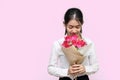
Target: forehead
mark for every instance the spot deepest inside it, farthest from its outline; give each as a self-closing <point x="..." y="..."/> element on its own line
<point x="74" y="22"/>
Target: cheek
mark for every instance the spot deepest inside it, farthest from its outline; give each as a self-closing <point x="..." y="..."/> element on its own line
<point x="68" y="30"/>
<point x="78" y="30"/>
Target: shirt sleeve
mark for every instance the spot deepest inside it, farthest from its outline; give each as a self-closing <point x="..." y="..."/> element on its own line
<point x="93" y="64"/>
<point x="53" y="68"/>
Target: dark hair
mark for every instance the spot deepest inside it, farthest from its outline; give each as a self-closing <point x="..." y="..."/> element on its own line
<point x="69" y="15"/>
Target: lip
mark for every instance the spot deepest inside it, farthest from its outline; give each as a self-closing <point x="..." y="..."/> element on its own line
<point x="73" y="34"/>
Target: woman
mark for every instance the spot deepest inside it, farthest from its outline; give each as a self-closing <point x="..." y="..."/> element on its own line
<point x="58" y="64"/>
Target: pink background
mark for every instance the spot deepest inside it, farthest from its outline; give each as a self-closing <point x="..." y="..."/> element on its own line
<point x="29" y="27"/>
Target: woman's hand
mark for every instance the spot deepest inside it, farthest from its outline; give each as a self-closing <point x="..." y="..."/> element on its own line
<point x="76" y="69"/>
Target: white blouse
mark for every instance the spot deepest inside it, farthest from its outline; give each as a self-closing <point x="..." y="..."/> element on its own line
<point x="58" y="64"/>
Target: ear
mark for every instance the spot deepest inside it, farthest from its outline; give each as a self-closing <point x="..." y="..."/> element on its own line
<point x="65" y="28"/>
<point x="64" y="24"/>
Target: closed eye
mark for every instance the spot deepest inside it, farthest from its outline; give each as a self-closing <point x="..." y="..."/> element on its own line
<point x="70" y="27"/>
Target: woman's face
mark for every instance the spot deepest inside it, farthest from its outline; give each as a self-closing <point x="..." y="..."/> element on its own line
<point x="73" y="27"/>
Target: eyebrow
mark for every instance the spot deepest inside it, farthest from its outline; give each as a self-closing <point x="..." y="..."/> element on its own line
<point x="75" y="25"/>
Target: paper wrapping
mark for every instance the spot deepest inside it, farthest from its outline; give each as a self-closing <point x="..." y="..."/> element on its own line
<point x="74" y="55"/>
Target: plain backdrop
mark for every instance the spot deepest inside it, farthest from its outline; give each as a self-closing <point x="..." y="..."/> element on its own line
<point x="28" y="29"/>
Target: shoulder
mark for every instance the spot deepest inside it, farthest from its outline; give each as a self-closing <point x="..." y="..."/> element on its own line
<point x="58" y="43"/>
<point x="87" y="40"/>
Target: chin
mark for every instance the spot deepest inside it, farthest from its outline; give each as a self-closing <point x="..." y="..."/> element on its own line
<point x="73" y="34"/>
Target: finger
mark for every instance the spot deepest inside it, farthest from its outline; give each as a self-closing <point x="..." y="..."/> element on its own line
<point x="81" y="66"/>
<point x="81" y="71"/>
<point x="76" y="68"/>
<point x="76" y="65"/>
<point x="77" y="71"/>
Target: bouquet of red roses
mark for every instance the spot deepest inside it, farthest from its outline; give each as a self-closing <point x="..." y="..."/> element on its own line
<point x="72" y="48"/>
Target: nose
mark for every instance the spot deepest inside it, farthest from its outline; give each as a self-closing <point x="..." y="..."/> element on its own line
<point x="74" y="30"/>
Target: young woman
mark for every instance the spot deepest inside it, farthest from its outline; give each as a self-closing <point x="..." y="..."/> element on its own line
<point x="58" y="64"/>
